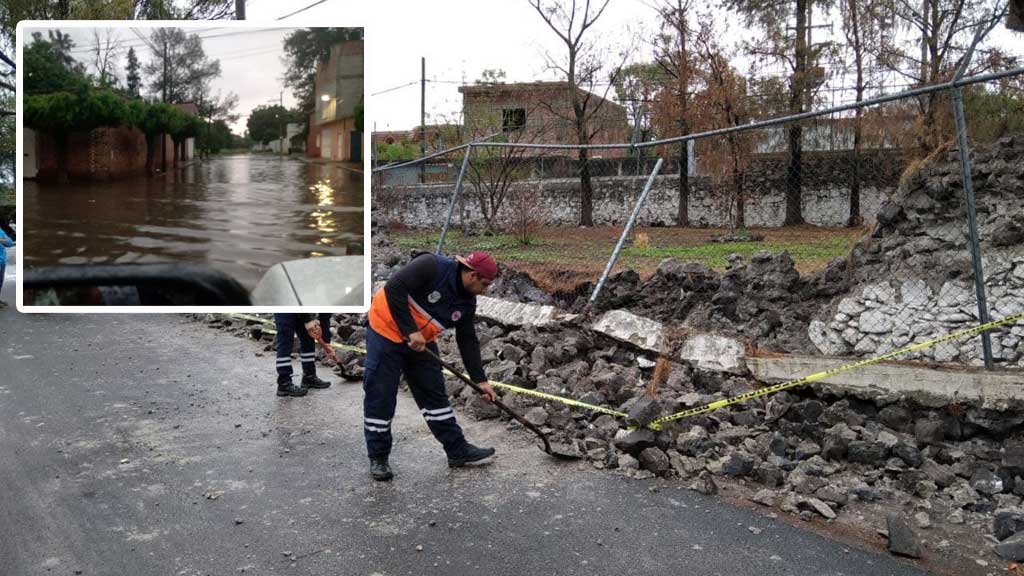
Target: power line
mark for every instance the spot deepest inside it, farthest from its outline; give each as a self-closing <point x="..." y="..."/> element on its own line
<point x="302" y="9"/>
<point x="393" y="88"/>
<point x="90" y="47"/>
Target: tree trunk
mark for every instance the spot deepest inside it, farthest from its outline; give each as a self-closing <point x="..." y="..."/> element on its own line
<point x="62" y="158"/>
<point x="150" y="154"/>
<point x="683" y="213"/>
<point x="175" y="145"/>
<point x="163" y="153"/>
<point x="741" y="217"/>
<point x="798" y="96"/>
<point x="586" y="192"/>
<point x="854" y="219"/>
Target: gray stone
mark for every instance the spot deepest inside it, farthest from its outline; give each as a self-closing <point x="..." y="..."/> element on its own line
<point x="902" y="540"/>
<point x="512" y="353"/>
<point x="832" y="496"/>
<point x="875" y="322"/>
<point x="895" y="417"/>
<point x="963" y="494"/>
<point x="643" y="411"/>
<point x="941" y="474"/>
<point x="871" y="453"/>
<point x="738" y="464"/>
<point x="769" y="475"/>
<point x="835" y="447"/>
<point x="654" y="460"/>
<point x="987" y="482"/>
<point x="807" y="449"/>
<point x="537" y="416"/>
<point x="1012" y="548"/>
<point x="765" y="497"/>
<point x="1007" y="522"/>
<point x="922" y="520"/>
<point x="930" y="431"/>
<point x="634" y="441"/>
<point x="806" y="411"/>
<point x="627" y="462"/>
<point x="887" y="439"/>
<point x="850" y="306"/>
<point x="705" y="484"/>
<point x="908" y="454"/>
<point x="817" y="506"/>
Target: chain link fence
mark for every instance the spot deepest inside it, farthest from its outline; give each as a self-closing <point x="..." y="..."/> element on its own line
<point x="859" y="244"/>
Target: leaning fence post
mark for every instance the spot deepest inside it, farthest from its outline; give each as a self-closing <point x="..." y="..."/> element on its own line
<point x="972" y="221"/>
<point x="455" y="195"/>
<point x="625" y="231"/>
<point x="965" y="173"/>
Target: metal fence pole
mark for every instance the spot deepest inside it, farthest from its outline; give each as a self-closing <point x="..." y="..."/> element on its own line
<point x="452" y="200"/>
<point x="972" y="221"/>
<point x="626" y="230"/>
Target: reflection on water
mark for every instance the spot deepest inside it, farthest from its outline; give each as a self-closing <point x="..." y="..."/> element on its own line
<point x="238" y="214"/>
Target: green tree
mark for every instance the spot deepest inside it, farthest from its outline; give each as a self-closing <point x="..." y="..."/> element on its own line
<point x="61" y="113"/>
<point x="154" y="120"/>
<point x="48" y="66"/>
<point x="268" y="123"/>
<point x="133" y="78"/>
<point x="215" y="137"/>
<point x="306" y="49"/>
<point x="398" y="151"/>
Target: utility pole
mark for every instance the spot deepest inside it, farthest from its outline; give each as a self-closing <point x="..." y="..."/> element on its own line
<point x="423" y="116"/>
<point x="163" y="138"/>
<point x="239" y="9"/>
<point x="281" y="102"/>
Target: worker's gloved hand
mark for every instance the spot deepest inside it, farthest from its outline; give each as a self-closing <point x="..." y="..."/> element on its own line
<point x="417" y="342"/>
<point x="313" y="328"/>
<point x="487" y="391"/>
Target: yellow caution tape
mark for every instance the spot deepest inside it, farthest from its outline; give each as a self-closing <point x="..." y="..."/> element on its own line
<point x="710" y="407"/>
<point x="496" y="384"/>
<point x="719" y="404"/>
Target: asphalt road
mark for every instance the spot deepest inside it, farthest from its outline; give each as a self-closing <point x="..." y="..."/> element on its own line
<point x="152" y="445"/>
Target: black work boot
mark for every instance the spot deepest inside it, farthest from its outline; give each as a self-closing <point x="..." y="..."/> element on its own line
<point x="380" y="469"/>
<point x="469" y="455"/>
<point x="286" y="388"/>
<point x="311" y="381"/>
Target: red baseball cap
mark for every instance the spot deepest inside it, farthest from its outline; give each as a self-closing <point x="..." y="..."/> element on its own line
<point x="482" y="263"/>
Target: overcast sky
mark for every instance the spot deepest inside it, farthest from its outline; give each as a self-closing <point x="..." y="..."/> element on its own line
<point x="461" y="38"/>
<point x="458" y="38"/>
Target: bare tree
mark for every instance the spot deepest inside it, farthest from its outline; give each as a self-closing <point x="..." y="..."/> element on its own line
<point x="582" y="65"/>
<point x="106" y="48"/>
<point x="673" y="54"/>
<point x="864" y="26"/>
<point x="927" y="44"/>
<point x="492" y="173"/>
<point x="723" y="103"/>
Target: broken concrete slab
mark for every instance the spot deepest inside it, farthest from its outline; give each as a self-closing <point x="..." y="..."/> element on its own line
<point x="627" y="327"/>
<point x="714" y="352"/>
<point x="927" y="386"/>
<point x="517" y="313"/>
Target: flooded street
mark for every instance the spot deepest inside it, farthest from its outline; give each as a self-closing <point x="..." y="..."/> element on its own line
<point x="236" y="214"/>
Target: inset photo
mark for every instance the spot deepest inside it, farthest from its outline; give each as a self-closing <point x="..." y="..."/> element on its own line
<point x="208" y="165"/>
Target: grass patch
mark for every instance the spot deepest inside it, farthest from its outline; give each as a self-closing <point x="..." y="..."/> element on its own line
<point x="714" y="255"/>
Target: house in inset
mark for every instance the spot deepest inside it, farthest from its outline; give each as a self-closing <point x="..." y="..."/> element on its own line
<point x="338" y="93"/>
<point x="542" y="113"/>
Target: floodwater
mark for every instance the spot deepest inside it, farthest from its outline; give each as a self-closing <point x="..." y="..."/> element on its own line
<point x="236" y="214"/>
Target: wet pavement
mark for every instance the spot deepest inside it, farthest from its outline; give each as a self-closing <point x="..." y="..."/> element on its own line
<point x="155" y="445"/>
<point x="237" y="214"/>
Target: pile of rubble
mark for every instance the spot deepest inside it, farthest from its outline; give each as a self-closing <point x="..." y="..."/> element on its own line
<point x="808" y="452"/>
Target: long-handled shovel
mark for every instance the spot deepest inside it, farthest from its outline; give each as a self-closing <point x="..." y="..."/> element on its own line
<point x="559" y="451"/>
